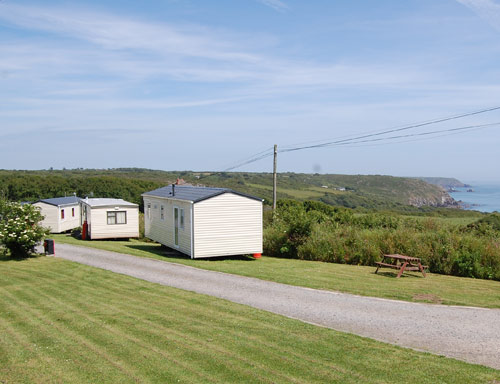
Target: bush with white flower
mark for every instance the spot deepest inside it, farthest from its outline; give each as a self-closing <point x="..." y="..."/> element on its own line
<point x="20" y="228"/>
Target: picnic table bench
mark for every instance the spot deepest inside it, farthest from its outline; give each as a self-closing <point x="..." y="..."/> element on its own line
<point x="401" y="262"/>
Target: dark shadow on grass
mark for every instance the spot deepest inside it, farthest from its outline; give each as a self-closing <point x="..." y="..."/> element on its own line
<point x="19" y="258"/>
<point x="394" y="275"/>
<point x="233" y="257"/>
<point x="167" y="253"/>
<point x="170" y="253"/>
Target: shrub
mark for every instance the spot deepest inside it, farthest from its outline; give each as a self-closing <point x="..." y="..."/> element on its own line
<point x="488" y="225"/>
<point x="292" y="226"/>
<point x="312" y="232"/>
<point x="20" y="228"/>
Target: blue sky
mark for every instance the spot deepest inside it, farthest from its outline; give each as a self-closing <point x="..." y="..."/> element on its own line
<point x="201" y="85"/>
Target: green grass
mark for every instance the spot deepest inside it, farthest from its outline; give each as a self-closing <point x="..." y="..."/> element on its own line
<point x="359" y="280"/>
<point x="305" y="193"/>
<point x="293" y="193"/>
<point x="447" y="221"/>
<point x="62" y="322"/>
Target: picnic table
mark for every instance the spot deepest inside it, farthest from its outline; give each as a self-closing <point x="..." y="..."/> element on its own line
<point x="401" y="262"/>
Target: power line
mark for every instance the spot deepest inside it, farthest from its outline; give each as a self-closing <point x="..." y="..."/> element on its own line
<point x="247" y="160"/>
<point x="256" y="154"/>
<point x="418" y="125"/>
<point x="357" y="139"/>
<point x="351" y="145"/>
<point x="250" y="157"/>
<point x="354" y="141"/>
<point x="253" y="160"/>
<point x="454" y="130"/>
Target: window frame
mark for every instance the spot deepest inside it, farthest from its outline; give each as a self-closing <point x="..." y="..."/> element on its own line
<point x="114" y="213"/>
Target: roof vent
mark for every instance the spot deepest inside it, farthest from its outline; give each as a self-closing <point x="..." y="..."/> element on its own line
<point x="173" y="189"/>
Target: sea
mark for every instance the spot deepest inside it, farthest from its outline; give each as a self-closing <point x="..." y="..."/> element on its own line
<point x="484" y="197"/>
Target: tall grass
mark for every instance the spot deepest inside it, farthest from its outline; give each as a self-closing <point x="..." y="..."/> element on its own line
<point x="315" y="231"/>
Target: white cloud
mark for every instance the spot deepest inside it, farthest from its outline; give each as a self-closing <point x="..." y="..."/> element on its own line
<point x="278" y="5"/>
<point x="488" y="10"/>
<point x="82" y="63"/>
<point x="115" y="33"/>
<point x="117" y="48"/>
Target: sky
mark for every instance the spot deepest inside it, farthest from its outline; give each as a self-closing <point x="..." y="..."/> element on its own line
<point x="205" y="85"/>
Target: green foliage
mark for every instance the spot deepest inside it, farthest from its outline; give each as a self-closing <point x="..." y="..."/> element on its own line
<point x="30" y="186"/>
<point x="357" y="191"/>
<point x="493" y="220"/>
<point x="488" y="225"/>
<point x="20" y="228"/>
<point x="445" y="182"/>
<point x="311" y="231"/>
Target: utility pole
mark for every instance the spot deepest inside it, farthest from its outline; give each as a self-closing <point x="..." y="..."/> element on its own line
<point x="274" y="176"/>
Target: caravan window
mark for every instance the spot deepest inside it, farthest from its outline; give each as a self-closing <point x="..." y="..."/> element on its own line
<point x="117" y="217"/>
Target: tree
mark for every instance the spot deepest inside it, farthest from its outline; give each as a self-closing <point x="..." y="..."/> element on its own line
<point x="20" y="228"/>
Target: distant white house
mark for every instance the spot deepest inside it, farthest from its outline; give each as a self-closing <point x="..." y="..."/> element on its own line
<point x="204" y="222"/>
<point x="109" y="218"/>
<point x="61" y="213"/>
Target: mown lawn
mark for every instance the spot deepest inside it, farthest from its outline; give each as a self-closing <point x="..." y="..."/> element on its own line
<point x="62" y="322"/>
<point x="359" y="280"/>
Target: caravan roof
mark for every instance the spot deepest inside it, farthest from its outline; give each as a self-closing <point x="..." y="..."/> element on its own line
<point x="191" y="193"/>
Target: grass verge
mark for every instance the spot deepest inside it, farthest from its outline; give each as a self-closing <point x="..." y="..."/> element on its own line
<point x="358" y="280"/>
<point x="65" y="322"/>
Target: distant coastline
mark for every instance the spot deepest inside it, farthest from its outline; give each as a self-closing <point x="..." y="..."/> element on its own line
<point x="448" y="183"/>
<point x="483" y="198"/>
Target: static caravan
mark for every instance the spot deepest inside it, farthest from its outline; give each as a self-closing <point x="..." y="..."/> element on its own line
<point x="61" y="213"/>
<point x="204" y="222"/>
<point x="109" y="219"/>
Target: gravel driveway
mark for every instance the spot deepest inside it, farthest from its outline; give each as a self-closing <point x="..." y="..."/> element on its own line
<point x="465" y="333"/>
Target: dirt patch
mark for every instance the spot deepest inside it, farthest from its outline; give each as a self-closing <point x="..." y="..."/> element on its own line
<point x="428" y="298"/>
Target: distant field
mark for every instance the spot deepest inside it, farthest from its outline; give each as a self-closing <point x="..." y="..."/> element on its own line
<point x="61" y="322"/>
<point x="354" y="279"/>
<point x="449" y="221"/>
<point x="308" y="193"/>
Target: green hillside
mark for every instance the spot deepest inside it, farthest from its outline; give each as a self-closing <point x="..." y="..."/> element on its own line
<point x="354" y="191"/>
<point x="445" y="182"/>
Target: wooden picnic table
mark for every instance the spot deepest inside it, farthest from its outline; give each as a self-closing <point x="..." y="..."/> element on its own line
<point x="401" y="262"/>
